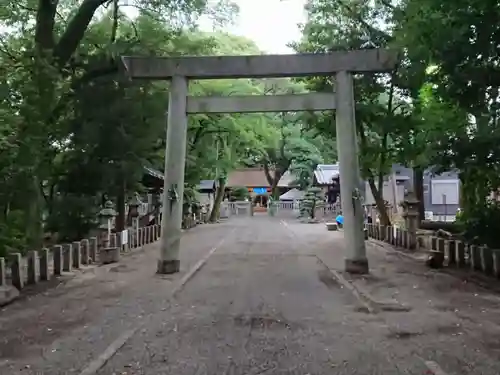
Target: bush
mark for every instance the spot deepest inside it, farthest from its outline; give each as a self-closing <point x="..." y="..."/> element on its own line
<point x="239" y="193"/>
<point x="12" y="234"/>
<point x="481" y="224"/>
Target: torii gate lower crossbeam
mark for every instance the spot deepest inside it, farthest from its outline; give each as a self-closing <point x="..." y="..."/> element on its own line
<point x="179" y="70"/>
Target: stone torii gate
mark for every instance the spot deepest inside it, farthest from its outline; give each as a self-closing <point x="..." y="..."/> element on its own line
<point x="179" y="70"/>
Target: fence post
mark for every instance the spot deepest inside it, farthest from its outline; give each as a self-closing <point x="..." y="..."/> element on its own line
<point x="452" y="253"/>
<point x="93" y="249"/>
<point x="460" y="250"/>
<point x="58" y="259"/>
<point x="44" y="265"/>
<point x="67" y="258"/>
<point x="32" y="267"/>
<point x="17" y="271"/>
<point x="84" y="251"/>
<point x="77" y="255"/>
<point x="475" y="257"/>
<point x="3" y="280"/>
<point x="486" y="255"/>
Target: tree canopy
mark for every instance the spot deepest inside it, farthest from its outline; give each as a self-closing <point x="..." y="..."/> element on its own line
<point x="75" y="130"/>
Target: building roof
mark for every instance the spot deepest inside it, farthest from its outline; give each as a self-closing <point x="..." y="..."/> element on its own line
<point x="291" y="195"/>
<point x="206" y="185"/>
<point x="249" y="177"/>
<point x="153" y="172"/>
<point x="286" y="180"/>
<point x="324" y="173"/>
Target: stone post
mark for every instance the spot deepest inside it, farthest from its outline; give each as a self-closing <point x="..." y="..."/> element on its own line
<point x="496" y="263"/>
<point x="84" y="248"/>
<point x="475" y="257"/>
<point x="486" y="260"/>
<point x="44" y="265"/>
<point x="93" y="249"/>
<point x="411" y="216"/>
<point x="16" y="271"/>
<point x="452" y="252"/>
<point x="350" y="181"/>
<point x="58" y="259"/>
<point x="32" y="267"/>
<point x="3" y="272"/>
<point x="77" y="255"/>
<point x="67" y="258"/>
<point x="460" y="251"/>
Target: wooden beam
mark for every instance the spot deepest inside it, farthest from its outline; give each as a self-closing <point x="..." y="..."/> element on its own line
<point x="260" y="66"/>
<point x="261" y="103"/>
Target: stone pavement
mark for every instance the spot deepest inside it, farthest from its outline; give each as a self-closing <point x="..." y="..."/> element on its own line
<point x="271" y="299"/>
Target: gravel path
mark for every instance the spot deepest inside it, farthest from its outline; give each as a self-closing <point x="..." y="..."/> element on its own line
<point x="62" y="329"/>
<point x="267" y="301"/>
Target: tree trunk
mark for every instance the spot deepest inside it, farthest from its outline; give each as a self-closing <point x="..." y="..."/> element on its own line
<point x="214" y="215"/>
<point x="418" y="185"/>
<point x="379" y="201"/>
<point x="274" y="186"/>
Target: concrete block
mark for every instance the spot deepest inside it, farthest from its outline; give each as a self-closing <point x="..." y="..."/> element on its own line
<point x="77" y="254"/>
<point x="331" y="227"/>
<point x="16" y="271"/>
<point x="475" y="258"/>
<point x="67" y="258"/>
<point x="486" y="255"/>
<point x="33" y="267"/>
<point x="58" y="259"/>
<point x="84" y="251"/>
<point x="8" y="293"/>
<point x="109" y="255"/>
<point x="44" y="265"/>
<point x="93" y="249"/>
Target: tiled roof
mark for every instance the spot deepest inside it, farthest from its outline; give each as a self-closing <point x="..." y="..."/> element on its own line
<point x="292" y="195"/>
<point x="250" y="177"/>
<point x="324" y="173"/>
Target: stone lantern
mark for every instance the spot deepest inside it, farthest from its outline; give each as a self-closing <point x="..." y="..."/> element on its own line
<point x="411" y="216"/>
<point x="106" y="217"/>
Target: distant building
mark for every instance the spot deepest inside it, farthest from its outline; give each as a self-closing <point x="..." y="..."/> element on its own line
<point x="441" y="192"/>
<point x="206" y="190"/>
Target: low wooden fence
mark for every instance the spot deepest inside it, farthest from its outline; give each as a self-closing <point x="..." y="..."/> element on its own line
<point x="43" y="265"/>
<point x="455" y="253"/>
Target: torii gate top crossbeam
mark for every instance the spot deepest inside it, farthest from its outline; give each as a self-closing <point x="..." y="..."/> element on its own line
<point x="260" y="66"/>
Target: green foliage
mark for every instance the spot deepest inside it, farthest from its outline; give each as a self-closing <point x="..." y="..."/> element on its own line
<point x="480" y="224"/>
<point x="12" y="234"/>
<point x="312" y="200"/>
<point x="239" y="193"/>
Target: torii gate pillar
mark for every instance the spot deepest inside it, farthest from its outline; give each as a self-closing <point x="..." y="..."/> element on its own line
<point x="350" y="181"/>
